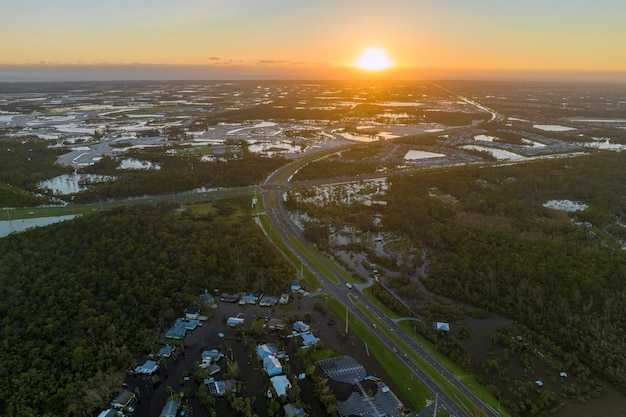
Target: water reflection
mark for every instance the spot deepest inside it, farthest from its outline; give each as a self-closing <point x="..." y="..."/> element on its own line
<point x="14" y="226"/>
<point x="71" y="183"/>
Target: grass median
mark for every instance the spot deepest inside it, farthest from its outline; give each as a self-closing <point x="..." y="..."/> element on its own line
<point x="435" y="376"/>
<point x="412" y="389"/>
<point x="310" y="281"/>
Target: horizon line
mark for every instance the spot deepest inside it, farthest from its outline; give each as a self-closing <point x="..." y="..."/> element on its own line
<point x="44" y="72"/>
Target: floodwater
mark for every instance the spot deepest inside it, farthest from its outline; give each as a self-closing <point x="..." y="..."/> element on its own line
<point x="71" y="183"/>
<point x="553" y="128"/>
<point x="14" y="226"/>
<point x="255" y="382"/>
<point x="610" y="404"/>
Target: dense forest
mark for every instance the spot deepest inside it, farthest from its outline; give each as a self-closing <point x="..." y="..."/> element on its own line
<point x="488" y="240"/>
<point x="81" y="300"/>
<point x="497" y="247"/>
<point x="24" y="162"/>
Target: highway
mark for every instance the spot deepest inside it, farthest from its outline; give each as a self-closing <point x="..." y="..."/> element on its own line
<point x="272" y="192"/>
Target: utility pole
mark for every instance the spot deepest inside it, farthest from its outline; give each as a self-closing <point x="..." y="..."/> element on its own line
<point x="346" y="320"/>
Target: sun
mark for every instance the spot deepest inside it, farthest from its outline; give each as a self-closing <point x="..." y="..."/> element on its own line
<point x="374" y="59"/>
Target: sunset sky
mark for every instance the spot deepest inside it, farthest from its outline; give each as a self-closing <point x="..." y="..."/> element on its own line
<point x="314" y="37"/>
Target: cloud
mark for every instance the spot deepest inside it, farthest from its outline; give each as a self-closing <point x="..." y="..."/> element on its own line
<point x="214" y="58"/>
<point x="273" y="61"/>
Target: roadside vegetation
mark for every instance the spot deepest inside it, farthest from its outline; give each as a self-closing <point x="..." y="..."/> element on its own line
<point x="489" y="246"/>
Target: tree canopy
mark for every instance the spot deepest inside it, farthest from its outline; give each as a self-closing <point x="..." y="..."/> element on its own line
<point x="81" y="300"/>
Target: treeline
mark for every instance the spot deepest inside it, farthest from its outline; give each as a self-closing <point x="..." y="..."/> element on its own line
<point x="327" y="168"/>
<point x="177" y="173"/>
<point x="24" y="162"/>
<point x="489" y="241"/>
<point x="81" y="300"/>
<point x="498" y="248"/>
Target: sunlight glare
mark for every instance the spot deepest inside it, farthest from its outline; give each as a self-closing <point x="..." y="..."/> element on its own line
<point x="374" y="59"/>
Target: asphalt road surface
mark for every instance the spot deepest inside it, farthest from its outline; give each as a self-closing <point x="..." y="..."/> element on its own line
<point x="273" y="201"/>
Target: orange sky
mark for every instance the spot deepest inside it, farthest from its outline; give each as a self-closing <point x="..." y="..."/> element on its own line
<point x="323" y="36"/>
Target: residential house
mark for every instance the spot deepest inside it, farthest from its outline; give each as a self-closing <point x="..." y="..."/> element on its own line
<point x="234" y="321"/>
<point x="276" y="324"/>
<point x="229" y="298"/>
<point x="308" y="339"/>
<point x="192" y="312"/>
<point x="148" y="368"/>
<point x="281" y="384"/>
<point x="301" y="326"/>
<point x="170" y="409"/>
<point x="123" y="400"/>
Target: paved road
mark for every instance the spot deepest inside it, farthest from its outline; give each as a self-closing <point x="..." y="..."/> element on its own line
<point x="272" y="198"/>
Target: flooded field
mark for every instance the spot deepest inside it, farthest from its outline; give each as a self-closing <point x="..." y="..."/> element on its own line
<point x="610" y="404"/>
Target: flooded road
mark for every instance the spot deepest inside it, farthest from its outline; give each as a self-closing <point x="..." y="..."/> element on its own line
<point x="255" y="382"/>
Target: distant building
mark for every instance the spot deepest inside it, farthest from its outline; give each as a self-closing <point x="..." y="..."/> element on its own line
<point x="301" y="326"/>
<point x="213" y="369"/>
<point x="284" y="299"/>
<point x="265" y="350"/>
<point x="295" y="285"/>
<point x="276" y="324"/>
<point x="281" y="384"/>
<point x="170" y="409"/>
<point x="192" y="312"/>
<point x="220" y="388"/>
<point x="272" y="365"/>
<point x="212" y="355"/>
<point x="234" y="321"/>
<point x="208" y="300"/>
<point x="308" y="339"/>
<point x="148" y="368"/>
<point x="177" y="331"/>
<point x="166" y="351"/>
<point x="122" y="400"/>
<point x="444" y="327"/>
<point x="248" y="299"/>
<point x="268" y="301"/>
<point x="229" y="298"/>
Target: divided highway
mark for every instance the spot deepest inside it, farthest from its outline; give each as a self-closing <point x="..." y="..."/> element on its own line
<point x="272" y="191"/>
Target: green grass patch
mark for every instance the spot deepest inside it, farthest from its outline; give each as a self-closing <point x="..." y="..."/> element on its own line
<point x="319" y="265"/>
<point x="468" y="380"/>
<point x="412" y="389"/>
<point x="321" y="354"/>
<point x="386" y="310"/>
<point x="423" y="365"/>
<point x="202" y="209"/>
<point x="310" y="281"/>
